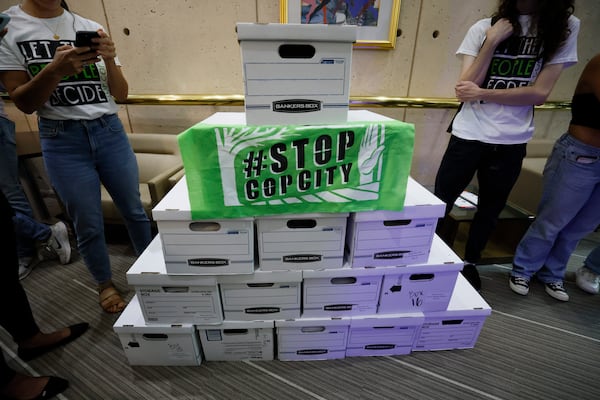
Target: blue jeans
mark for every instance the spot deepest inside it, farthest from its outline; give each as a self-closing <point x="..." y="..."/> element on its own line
<point x="28" y="230"/>
<point x="592" y="261"/>
<point x="79" y="156"/>
<point x="497" y="168"/>
<point x="569" y="209"/>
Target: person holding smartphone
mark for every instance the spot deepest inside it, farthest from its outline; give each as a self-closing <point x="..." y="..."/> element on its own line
<point x="83" y="140"/>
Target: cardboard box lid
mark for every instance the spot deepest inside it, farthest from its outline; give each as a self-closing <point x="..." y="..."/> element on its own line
<point x="150" y="269"/>
<point x="175" y="206"/>
<point x="419" y="203"/>
<point x="132" y="319"/>
<point x="381" y="320"/>
<point x="345" y="272"/>
<point x="239" y="118"/>
<point x="240" y="325"/>
<point x="296" y="32"/>
<point x="308" y="322"/>
<point x="262" y="277"/>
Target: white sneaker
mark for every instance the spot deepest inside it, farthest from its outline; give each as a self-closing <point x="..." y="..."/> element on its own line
<point x="587" y="280"/>
<point x="26" y="265"/>
<point x="519" y="285"/>
<point x="557" y="290"/>
<point x="58" y="246"/>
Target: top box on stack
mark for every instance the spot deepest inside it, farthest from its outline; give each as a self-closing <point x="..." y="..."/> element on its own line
<point x="296" y="73"/>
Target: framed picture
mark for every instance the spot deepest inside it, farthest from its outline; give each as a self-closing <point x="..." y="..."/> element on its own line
<point x="377" y="20"/>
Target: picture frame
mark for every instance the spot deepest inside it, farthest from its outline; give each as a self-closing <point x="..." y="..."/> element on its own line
<point x="377" y="20"/>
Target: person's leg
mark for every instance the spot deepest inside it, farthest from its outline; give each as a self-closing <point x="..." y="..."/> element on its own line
<point x="16" y="317"/>
<point x="15" y="385"/>
<point x="568" y="187"/>
<point x="581" y="225"/>
<point x="456" y="171"/>
<point x="122" y="179"/>
<point x="69" y="157"/>
<point x="27" y="228"/>
<point x="497" y="174"/>
<point x="588" y="276"/>
<point x="458" y="166"/>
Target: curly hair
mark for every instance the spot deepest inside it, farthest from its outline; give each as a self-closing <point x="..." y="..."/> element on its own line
<point x="550" y="20"/>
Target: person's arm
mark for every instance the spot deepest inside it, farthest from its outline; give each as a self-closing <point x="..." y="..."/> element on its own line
<point x="30" y="94"/>
<point x="475" y="69"/>
<point x="535" y="94"/>
<point x="589" y="81"/>
<point x="117" y="83"/>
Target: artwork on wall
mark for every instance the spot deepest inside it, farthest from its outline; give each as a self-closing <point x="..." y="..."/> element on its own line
<point x="377" y="20"/>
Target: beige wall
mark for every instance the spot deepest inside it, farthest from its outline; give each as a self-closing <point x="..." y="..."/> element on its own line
<point x="190" y="47"/>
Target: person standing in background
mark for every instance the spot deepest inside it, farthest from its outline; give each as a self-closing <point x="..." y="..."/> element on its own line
<point x="570" y="205"/>
<point x="83" y="140"/>
<point x="510" y="63"/>
<point x="54" y="239"/>
<point x="18" y="320"/>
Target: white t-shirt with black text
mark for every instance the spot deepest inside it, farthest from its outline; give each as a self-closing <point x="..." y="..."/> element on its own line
<point x="29" y="45"/>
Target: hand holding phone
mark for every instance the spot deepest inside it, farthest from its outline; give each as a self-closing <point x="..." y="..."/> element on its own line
<point x="84" y="38"/>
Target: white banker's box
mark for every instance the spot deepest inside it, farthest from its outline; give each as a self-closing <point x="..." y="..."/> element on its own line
<point x="459" y="326"/>
<point x="383" y="335"/>
<point x="384" y="238"/>
<point x="312" y="339"/>
<point x="210" y="247"/>
<point x="340" y="292"/>
<point x="421" y="287"/>
<point x="264" y="295"/>
<point x="238" y="340"/>
<point x="173" y="299"/>
<point x="156" y="344"/>
<point x="296" y="73"/>
<point x="304" y="241"/>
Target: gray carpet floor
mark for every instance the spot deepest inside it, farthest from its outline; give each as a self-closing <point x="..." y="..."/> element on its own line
<point x="530" y="347"/>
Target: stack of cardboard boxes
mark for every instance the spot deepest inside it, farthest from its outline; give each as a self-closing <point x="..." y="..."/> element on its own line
<point x="297" y="287"/>
<point x="399" y="288"/>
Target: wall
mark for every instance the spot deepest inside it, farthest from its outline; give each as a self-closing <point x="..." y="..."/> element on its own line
<point x="190" y="47"/>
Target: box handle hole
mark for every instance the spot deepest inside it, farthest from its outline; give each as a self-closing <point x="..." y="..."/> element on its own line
<point x="205" y="226"/>
<point x="296" y="51"/>
<point x="301" y="223"/>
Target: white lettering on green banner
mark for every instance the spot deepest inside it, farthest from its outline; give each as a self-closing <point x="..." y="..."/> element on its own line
<point x="241" y="171"/>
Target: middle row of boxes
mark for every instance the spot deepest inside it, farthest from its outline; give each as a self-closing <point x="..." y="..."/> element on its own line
<point x="268" y="295"/>
<point x="296" y="242"/>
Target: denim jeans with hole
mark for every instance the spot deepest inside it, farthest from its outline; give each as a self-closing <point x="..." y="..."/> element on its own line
<point x="569" y="209"/>
<point x="80" y="155"/>
<point x="27" y="229"/>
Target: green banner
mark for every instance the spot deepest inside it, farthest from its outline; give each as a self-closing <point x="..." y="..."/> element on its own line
<point x="236" y="171"/>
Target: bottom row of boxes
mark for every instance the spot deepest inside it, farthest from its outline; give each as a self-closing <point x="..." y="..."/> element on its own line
<point x="457" y="327"/>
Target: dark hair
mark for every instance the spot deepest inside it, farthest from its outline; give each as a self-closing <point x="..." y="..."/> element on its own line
<point x="550" y="20"/>
<point x="64" y="5"/>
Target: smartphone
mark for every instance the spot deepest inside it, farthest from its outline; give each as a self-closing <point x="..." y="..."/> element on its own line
<point x="4" y="18"/>
<point x="84" y="38"/>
